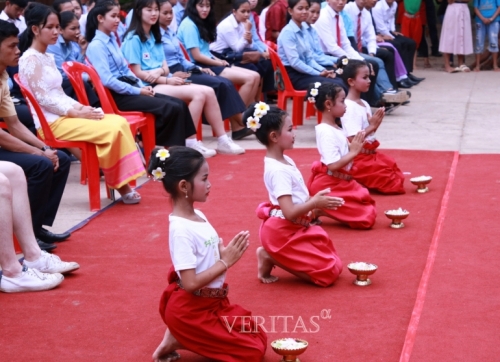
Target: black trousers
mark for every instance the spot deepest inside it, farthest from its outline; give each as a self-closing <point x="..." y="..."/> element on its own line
<point x="430" y="12"/>
<point x="406" y="48"/>
<point x="387" y="56"/>
<point x="173" y="121"/>
<point x="91" y="94"/>
<point x="302" y="81"/>
<point x="45" y="187"/>
<point x="265" y="69"/>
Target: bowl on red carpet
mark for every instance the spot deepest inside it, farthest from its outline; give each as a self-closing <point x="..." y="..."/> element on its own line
<point x="421" y="183"/>
<point x="289" y="348"/>
<point x="362" y="270"/>
<point x="397" y="216"/>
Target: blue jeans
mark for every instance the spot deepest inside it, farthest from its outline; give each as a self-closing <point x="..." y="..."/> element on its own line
<point x="492" y="31"/>
<point x="382" y="82"/>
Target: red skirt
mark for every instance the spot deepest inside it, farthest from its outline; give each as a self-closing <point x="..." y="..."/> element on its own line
<point x="304" y="249"/>
<point x="378" y="172"/>
<point x="358" y="210"/>
<point x="211" y="327"/>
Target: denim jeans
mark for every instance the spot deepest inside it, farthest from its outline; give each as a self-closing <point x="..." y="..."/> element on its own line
<point x="492" y="31"/>
<point x="382" y="82"/>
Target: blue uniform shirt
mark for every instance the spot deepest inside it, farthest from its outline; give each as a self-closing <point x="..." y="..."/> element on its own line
<point x="487" y="8"/>
<point x="179" y="12"/>
<point x="257" y="44"/>
<point x="319" y="56"/>
<point x="189" y="35"/>
<point x="65" y="52"/>
<point x="172" y="50"/>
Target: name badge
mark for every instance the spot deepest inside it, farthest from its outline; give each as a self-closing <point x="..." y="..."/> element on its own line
<point x="146" y="56"/>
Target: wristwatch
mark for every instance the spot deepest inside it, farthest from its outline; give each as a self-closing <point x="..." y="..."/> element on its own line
<point x="45" y="148"/>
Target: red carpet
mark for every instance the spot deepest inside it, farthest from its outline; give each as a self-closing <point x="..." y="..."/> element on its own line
<point x="107" y="311"/>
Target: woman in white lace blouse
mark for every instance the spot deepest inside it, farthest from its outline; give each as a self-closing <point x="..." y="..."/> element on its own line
<point x="68" y="119"/>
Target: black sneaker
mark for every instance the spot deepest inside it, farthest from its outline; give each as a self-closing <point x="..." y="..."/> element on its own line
<point x="242" y="133"/>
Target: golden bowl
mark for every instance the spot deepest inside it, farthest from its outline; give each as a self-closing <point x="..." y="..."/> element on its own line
<point x="421" y="183"/>
<point x="362" y="270"/>
<point x="396" y="218"/>
<point x="289" y="353"/>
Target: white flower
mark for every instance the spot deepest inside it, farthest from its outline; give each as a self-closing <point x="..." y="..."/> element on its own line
<point x="162" y="154"/>
<point x="158" y="174"/>
<point x="261" y="108"/>
<point x="339" y="71"/>
<point x="345" y="61"/>
<point x="317" y="85"/>
<point x="253" y="123"/>
<point x="311" y="100"/>
<point x="314" y="92"/>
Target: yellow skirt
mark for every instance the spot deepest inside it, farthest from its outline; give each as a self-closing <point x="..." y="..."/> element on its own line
<point x="118" y="156"/>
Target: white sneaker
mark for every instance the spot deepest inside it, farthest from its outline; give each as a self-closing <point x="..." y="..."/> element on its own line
<point x="398" y="97"/>
<point x="206" y="152"/>
<point x="31" y="280"/>
<point x="229" y="148"/>
<point x="50" y="263"/>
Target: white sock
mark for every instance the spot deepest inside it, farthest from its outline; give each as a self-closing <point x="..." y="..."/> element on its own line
<point x="191" y="142"/>
<point x="223" y="139"/>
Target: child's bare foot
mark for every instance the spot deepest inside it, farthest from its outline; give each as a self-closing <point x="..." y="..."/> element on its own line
<point x="165" y="352"/>
<point x="265" y="265"/>
<point x="496" y="69"/>
<point x="476" y="69"/>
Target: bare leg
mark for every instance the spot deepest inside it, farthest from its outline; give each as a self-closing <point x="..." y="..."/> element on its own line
<point x="16" y="218"/>
<point x="76" y="152"/>
<point x="165" y="352"/>
<point x="267" y="262"/>
<point x="495" y="62"/>
<point x="461" y="59"/>
<point x="248" y="80"/>
<point x="236" y="122"/>
<point x="477" y="67"/>
<point x="447" y="67"/>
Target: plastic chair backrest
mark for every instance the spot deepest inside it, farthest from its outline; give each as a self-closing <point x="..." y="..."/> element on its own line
<point x="184" y="51"/>
<point x="75" y="70"/>
<point x="277" y="64"/>
<point x="272" y="45"/>
<point x="33" y="104"/>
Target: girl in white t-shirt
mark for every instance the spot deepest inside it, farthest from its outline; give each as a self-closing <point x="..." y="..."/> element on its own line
<point x="195" y="300"/>
<point x="288" y="238"/>
<point x="372" y="169"/>
<point x="334" y="169"/>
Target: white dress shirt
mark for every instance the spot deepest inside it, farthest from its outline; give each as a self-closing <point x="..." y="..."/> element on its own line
<point x="368" y="37"/>
<point x="230" y="35"/>
<point x="385" y="17"/>
<point x="19" y="23"/>
<point x="326" y="26"/>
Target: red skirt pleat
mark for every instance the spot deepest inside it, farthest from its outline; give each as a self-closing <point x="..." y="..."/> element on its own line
<point x="303" y="249"/>
<point x="358" y="211"/>
<point x="211" y="327"/>
<point x="378" y="172"/>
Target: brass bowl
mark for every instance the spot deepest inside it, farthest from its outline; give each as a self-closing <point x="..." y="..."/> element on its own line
<point x="289" y="354"/>
<point x="421" y="183"/>
<point x="362" y="272"/>
<point x="396" y="219"/>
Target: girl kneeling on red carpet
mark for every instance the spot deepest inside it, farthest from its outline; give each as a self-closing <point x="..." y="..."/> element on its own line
<point x="334" y="169"/>
<point x="371" y="169"/>
<point x="195" y="306"/>
<point x="288" y="238"/>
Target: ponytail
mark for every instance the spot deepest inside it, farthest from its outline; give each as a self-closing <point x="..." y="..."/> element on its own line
<point x="100" y="8"/>
<point x="36" y="14"/>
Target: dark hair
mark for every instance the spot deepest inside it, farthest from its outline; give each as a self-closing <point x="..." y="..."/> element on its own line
<point x="182" y="164"/>
<point x="7" y="30"/>
<point x="315" y="2"/>
<point x="136" y="23"/>
<point x="325" y="91"/>
<point x="207" y="27"/>
<point x="57" y="4"/>
<point x="21" y="3"/>
<point x="238" y="3"/>
<point x="36" y="14"/>
<point x="100" y="8"/>
<point x="291" y="5"/>
<point x="272" y="121"/>
<point x="350" y="70"/>
<point x="66" y="18"/>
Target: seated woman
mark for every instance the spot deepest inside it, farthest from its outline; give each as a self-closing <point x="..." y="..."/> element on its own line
<point x="230" y="103"/>
<point x="71" y="46"/>
<point x="143" y="49"/>
<point x="69" y="120"/>
<point x="295" y="52"/>
<point x="196" y="31"/>
<point x="235" y="36"/>
<point x="174" y="125"/>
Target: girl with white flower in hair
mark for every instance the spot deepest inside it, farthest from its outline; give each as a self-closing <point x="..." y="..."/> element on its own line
<point x="289" y="239"/>
<point x="337" y="155"/>
<point x="195" y="301"/>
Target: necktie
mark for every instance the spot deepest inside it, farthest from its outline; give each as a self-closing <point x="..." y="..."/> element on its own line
<point x="373" y="22"/>
<point x="358" y="33"/>
<point x="339" y="43"/>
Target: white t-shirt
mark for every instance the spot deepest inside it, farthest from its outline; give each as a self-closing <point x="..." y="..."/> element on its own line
<point x="332" y="144"/>
<point x="20" y="23"/>
<point x="194" y="245"/>
<point x="281" y="179"/>
<point x="355" y="119"/>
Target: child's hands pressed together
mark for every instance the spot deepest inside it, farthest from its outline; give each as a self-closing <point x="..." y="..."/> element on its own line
<point x="357" y="142"/>
<point x="377" y="117"/>
<point x="322" y="201"/>
<point x="235" y="249"/>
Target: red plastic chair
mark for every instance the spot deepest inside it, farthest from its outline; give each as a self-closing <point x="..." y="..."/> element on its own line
<point x="288" y="91"/>
<point x="89" y="155"/>
<point x="138" y="121"/>
<point x="311" y="111"/>
<point x="271" y="45"/>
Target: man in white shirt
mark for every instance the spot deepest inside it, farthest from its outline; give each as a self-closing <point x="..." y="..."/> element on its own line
<point x="13" y="13"/>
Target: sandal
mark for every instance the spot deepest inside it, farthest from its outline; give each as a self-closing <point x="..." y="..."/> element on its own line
<point x="456" y="70"/>
<point x="464" y="68"/>
<point x="173" y="356"/>
<point x="132" y="197"/>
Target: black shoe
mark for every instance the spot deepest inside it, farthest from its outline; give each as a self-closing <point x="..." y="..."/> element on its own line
<point x="414" y="78"/>
<point x="49" y="237"/>
<point x="45" y="246"/>
<point x="405" y="83"/>
<point x="242" y="133"/>
<point x="436" y="54"/>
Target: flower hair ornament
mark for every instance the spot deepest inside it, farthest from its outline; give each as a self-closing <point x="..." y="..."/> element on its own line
<point x="158" y="172"/>
<point x="314" y="93"/>
<point x="253" y="122"/>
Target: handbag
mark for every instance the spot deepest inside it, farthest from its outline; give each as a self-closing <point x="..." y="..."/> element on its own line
<point x="250" y="57"/>
<point x="245" y="57"/>
<point x="129" y="80"/>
